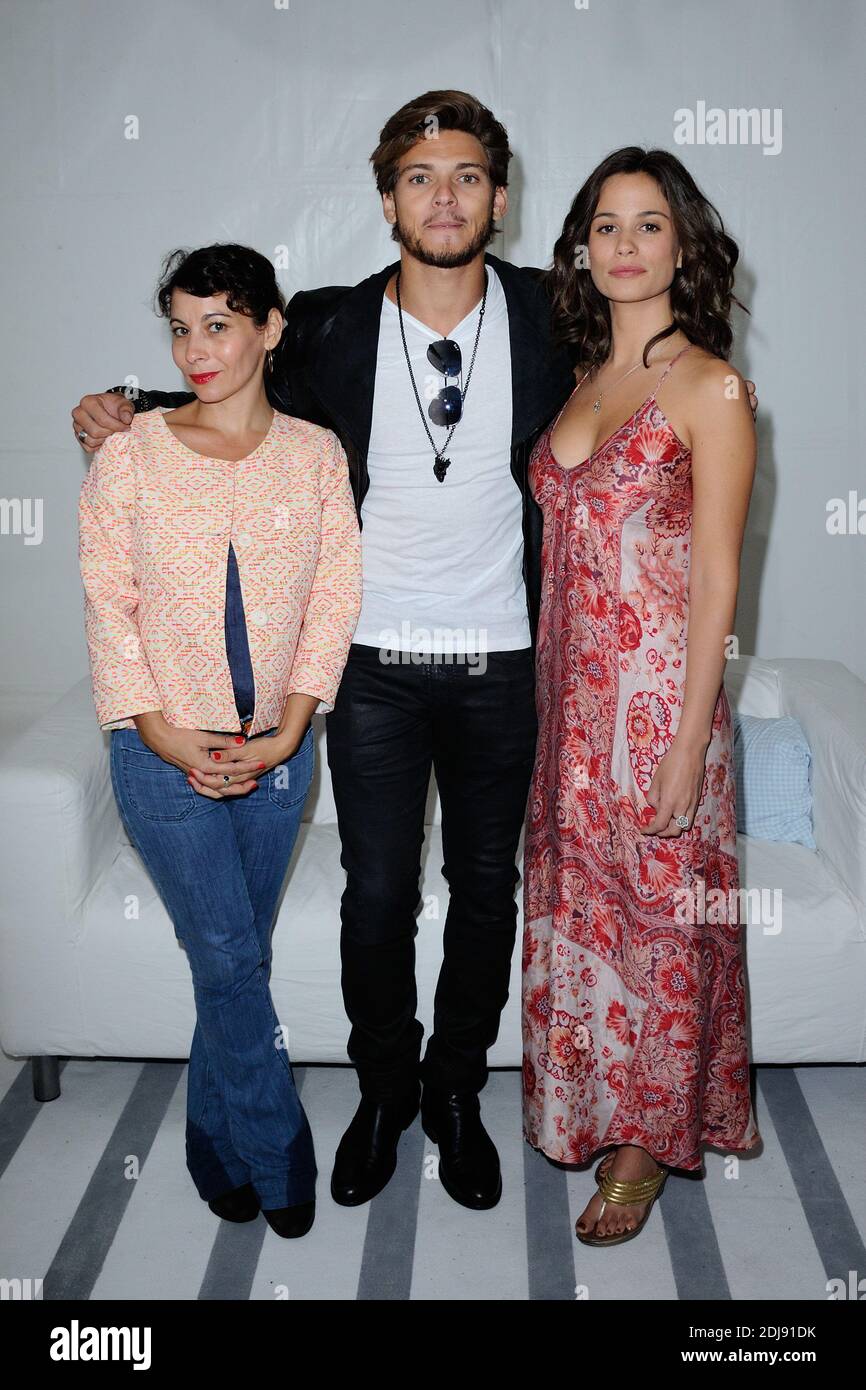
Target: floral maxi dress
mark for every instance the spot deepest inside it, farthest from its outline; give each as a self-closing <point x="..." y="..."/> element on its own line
<point x="633" y="1006"/>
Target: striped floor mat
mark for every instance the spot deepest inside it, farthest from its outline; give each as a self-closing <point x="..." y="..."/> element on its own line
<point x="96" y="1202"/>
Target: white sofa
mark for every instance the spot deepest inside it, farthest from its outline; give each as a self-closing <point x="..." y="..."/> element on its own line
<point x="90" y="965"/>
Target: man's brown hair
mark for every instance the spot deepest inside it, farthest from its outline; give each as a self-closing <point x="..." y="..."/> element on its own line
<point x="445" y="110"/>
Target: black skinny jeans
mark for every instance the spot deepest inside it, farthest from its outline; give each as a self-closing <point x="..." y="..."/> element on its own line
<point x="477" y="729"/>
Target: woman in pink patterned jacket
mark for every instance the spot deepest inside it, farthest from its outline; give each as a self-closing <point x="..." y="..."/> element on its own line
<point x="221" y="560"/>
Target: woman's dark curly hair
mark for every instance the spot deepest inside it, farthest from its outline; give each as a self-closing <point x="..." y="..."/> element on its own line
<point x="243" y="275"/>
<point x="701" y="292"/>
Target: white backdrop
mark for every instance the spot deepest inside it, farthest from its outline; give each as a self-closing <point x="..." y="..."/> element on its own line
<point x="253" y="122"/>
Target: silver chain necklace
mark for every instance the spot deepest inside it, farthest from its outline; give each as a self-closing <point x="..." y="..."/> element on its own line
<point x="596" y="405"/>
<point x="440" y="463"/>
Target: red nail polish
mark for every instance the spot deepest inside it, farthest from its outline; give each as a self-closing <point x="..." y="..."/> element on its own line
<point x="239" y="740"/>
<point x="217" y="756"/>
<point x="261" y="764"/>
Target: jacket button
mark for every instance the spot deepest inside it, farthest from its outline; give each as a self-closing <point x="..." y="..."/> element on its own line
<point x="259" y="617"/>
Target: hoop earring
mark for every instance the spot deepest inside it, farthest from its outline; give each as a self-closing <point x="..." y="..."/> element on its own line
<point x="270" y="356"/>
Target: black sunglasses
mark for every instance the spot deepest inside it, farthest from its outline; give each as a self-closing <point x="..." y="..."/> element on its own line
<point x="446" y="408"/>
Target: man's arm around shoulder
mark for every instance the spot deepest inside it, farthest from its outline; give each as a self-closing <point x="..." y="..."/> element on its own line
<point x="102" y="414"/>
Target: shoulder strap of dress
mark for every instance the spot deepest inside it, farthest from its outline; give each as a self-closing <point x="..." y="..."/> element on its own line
<point x="672" y="364"/>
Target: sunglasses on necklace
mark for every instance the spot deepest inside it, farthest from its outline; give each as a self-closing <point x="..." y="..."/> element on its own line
<point x="446" y="407"/>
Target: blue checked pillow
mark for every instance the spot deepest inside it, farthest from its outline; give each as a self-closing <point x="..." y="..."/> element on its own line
<point x="773" y="761"/>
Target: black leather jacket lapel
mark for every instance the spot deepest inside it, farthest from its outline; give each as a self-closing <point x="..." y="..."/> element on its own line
<point x="325" y="371"/>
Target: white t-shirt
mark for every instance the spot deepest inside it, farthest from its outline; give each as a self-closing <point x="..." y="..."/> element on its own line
<point x="442" y="562"/>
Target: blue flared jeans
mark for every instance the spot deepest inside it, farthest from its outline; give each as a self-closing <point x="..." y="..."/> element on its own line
<point x="218" y="866"/>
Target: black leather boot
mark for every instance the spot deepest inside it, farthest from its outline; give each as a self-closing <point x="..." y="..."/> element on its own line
<point x="241" y="1204"/>
<point x="367" y="1153"/>
<point x="290" y="1222"/>
<point x="468" y="1161"/>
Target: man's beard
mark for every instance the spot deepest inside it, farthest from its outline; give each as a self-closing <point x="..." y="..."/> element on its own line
<point x="447" y="260"/>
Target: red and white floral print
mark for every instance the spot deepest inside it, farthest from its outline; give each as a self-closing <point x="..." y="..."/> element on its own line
<point x="634" y="1024"/>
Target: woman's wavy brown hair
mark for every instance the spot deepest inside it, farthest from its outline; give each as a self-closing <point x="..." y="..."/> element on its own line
<point x="701" y="292"/>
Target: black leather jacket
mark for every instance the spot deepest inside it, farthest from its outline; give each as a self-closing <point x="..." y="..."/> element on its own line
<point x="325" y="370"/>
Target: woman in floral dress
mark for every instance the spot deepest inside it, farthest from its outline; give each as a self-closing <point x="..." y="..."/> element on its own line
<point x="634" y="1020"/>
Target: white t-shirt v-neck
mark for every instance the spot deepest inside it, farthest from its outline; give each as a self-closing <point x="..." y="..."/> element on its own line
<point x="442" y="562"/>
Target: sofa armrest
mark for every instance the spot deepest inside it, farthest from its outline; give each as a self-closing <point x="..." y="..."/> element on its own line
<point x="58" y="815"/>
<point x="829" y="702"/>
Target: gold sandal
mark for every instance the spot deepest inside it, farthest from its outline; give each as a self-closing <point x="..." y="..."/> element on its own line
<point x="624" y="1193"/>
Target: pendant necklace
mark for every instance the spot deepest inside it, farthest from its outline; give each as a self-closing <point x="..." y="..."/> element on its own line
<point x="441" y="464"/>
<point x="596" y="405"/>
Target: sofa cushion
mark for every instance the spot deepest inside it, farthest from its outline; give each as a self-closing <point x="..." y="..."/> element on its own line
<point x="752" y="686"/>
<point x="773" y="763"/>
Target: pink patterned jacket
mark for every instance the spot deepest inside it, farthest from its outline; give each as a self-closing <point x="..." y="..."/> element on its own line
<point x="155" y="521"/>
